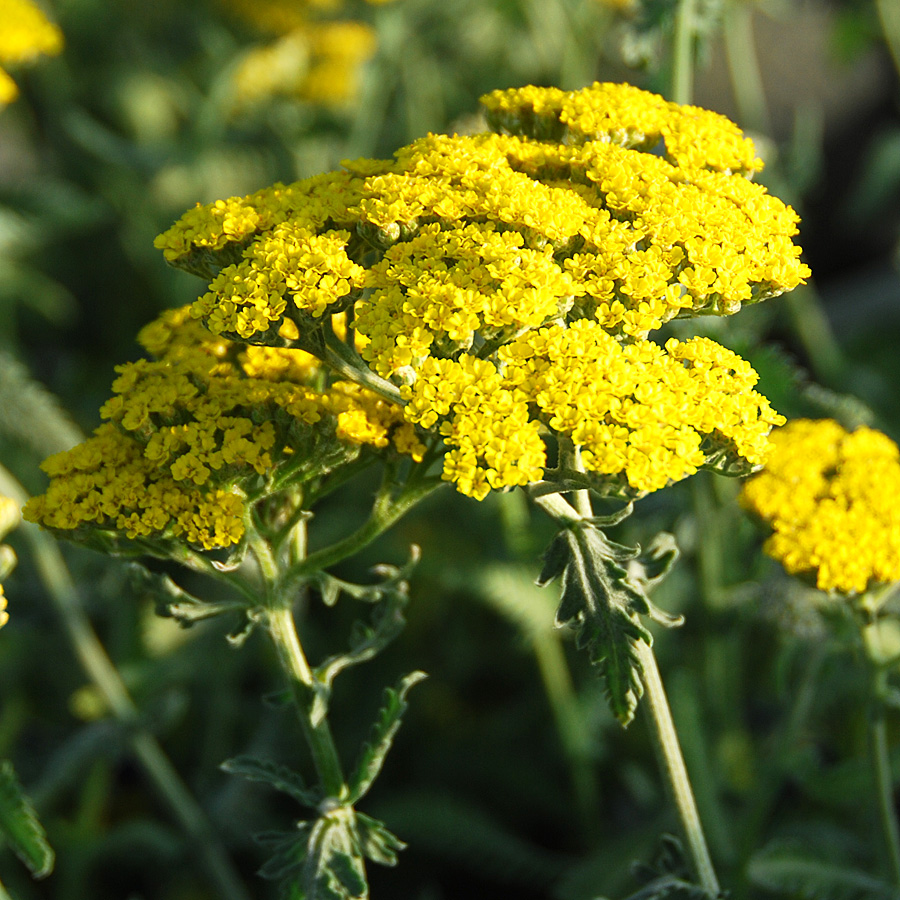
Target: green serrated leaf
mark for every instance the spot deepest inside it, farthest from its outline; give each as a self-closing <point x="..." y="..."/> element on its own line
<point x="279" y="777"/>
<point x="367" y="640"/>
<point x="377" y="843"/>
<point x="19" y="824"/>
<point x="376" y="749"/>
<point x="598" y="601"/>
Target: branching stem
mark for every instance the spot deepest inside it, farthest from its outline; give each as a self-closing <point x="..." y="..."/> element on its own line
<point x="305" y="687"/>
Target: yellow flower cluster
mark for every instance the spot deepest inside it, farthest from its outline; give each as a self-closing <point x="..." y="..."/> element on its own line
<point x="644" y="416"/>
<point x="195" y="432"/>
<point x="315" y="57"/>
<point x="831" y="499"/>
<point x="627" y="237"/>
<point x="26" y="33"/>
<point x="687" y="136"/>
<point x="478" y="269"/>
<point x="289" y="264"/>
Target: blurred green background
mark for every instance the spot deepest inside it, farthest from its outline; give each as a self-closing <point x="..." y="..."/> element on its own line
<point x="510" y="778"/>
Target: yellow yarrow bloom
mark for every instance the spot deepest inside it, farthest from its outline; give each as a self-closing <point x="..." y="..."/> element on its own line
<point x="26" y="33"/>
<point x="606" y="213"/>
<point x="831" y="499"/>
<point x="316" y="62"/>
<point x="688" y="136"/>
<point x="643" y="416"/>
<point x="195" y="433"/>
<point x="628" y="237"/>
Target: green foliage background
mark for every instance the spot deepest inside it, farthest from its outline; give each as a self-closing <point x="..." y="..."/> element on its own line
<point x="509" y="777"/>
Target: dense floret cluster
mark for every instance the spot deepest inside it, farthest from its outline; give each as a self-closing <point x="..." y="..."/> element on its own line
<point x="830" y="498"/>
<point x="507" y="282"/>
<point x="194" y="434"/>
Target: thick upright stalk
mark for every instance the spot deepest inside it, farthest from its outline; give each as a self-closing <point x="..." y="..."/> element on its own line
<point x="682" y="84"/>
<point x="672" y="765"/>
<point x="878" y="751"/>
<point x="743" y="68"/>
<point x="889" y="14"/>
<point x="304" y="687"/>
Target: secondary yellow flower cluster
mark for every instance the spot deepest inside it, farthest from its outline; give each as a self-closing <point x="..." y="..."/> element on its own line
<point x="465" y="247"/>
<point x="314" y="58"/>
<point x="831" y="499"/>
<point x="196" y="432"/>
<point x="644" y="416"/>
<point x="25" y="34"/>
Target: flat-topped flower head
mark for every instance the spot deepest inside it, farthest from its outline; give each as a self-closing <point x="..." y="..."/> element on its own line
<point x="203" y="430"/>
<point x="830" y="498"/>
<point x="26" y="33"/>
<point x="642" y="215"/>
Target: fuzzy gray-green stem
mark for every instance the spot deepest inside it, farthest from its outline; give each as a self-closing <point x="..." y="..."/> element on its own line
<point x="304" y="686"/>
<point x="878" y="749"/>
<point x="671" y="763"/>
<point x="385" y="512"/>
<point x="743" y="67"/>
<point x="682" y="83"/>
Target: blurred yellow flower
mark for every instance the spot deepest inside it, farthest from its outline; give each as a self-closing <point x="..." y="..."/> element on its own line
<point x="832" y="500"/>
<point x="25" y="33"/>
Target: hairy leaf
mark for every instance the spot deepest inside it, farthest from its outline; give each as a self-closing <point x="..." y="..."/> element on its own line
<point x="377" y="843"/>
<point x="376" y="749"/>
<point x="276" y="776"/>
<point x="603" y="594"/>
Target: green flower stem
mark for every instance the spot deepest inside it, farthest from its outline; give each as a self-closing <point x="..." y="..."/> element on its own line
<point x="671" y="763"/>
<point x="878" y="749"/>
<point x="386" y="511"/>
<point x="889" y="14"/>
<point x="347" y="362"/>
<point x="99" y="668"/>
<point x="665" y="738"/>
<point x="743" y="67"/>
<point x="3" y="894"/>
<point x="683" y="52"/>
<point x="557" y="680"/>
<point x="304" y="687"/>
<point x="811" y="325"/>
<point x="570" y="458"/>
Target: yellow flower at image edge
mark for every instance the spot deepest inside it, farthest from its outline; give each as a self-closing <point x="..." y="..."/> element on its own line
<point x="4" y="615"/>
<point x="831" y="499"/>
<point x="25" y="34"/>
